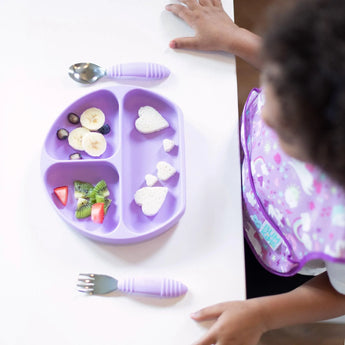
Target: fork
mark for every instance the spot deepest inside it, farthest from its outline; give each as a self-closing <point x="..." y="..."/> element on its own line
<point x="99" y="284"/>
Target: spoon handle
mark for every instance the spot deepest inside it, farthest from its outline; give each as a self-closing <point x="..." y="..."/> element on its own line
<point x="142" y="70"/>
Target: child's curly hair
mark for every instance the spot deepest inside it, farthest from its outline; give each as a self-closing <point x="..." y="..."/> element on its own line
<point x="307" y="44"/>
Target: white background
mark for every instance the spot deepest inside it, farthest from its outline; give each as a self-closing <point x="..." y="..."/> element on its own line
<point x="40" y="255"/>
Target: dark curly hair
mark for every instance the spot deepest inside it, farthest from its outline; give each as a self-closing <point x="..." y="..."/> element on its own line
<point x="307" y="44"/>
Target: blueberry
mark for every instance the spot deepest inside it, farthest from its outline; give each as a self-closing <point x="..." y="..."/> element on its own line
<point x="73" y="118"/>
<point x="62" y="134"/>
<point x="75" y="156"/>
<point x="105" y="129"/>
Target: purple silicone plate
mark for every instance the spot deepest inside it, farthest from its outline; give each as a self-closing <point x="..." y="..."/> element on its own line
<point x="129" y="156"/>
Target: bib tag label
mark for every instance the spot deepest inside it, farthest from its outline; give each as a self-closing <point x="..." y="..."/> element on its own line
<point x="270" y="235"/>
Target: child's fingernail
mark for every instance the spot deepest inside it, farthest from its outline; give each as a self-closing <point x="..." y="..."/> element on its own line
<point x="194" y="315"/>
<point x="172" y="44"/>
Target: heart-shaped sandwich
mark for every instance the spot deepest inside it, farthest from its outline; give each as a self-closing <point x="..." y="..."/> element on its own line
<point x="150" y="199"/>
<point x="150" y="120"/>
<point x="165" y="170"/>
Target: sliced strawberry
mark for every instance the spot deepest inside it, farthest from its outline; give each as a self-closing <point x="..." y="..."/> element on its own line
<point x="62" y="194"/>
<point x="97" y="212"/>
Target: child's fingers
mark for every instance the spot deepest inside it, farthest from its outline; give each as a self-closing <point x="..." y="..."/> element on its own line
<point x="217" y="3"/>
<point x="208" y="339"/>
<point x="208" y="313"/>
<point x="179" y="10"/>
<point x="184" y="43"/>
<point x="205" y="2"/>
<point x="192" y="4"/>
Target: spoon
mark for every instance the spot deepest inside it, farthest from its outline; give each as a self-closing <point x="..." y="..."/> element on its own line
<point x="88" y="73"/>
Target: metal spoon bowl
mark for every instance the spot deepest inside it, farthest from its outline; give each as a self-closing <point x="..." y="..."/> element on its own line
<point x="86" y="72"/>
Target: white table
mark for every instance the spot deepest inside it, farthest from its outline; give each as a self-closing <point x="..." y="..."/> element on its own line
<point x="40" y="255"/>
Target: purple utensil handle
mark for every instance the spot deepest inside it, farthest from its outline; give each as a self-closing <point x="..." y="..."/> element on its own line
<point x="161" y="287"/>
<point x="143" y="70"/>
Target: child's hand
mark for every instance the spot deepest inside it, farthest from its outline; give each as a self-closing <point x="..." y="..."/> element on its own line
<point x="214" y="29"/>
<point x="238" y="322"/>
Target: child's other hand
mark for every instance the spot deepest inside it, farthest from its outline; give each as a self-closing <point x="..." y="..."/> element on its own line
<point x="214" y="29"/>
<point x="237" y="322"/>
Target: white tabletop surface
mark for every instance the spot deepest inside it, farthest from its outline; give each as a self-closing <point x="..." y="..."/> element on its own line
<point x="40" y="255"/>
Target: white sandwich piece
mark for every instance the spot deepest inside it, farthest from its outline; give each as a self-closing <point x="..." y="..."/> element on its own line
<point x="150" y="179"/>
<point x="150" y="199"/>
<point x="150" y="120"/>
<point x="165" y="170"/>
<point x="168" y="145"/>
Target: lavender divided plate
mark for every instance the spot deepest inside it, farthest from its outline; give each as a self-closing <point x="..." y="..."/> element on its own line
<point x="129" y="156"/>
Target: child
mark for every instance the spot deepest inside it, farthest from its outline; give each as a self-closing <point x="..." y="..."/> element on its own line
<point x="293" y="170"/>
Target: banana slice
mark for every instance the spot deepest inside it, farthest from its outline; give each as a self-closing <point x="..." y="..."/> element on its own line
<point x="92" y="118"/>
<point x="94" y="144"/>
<point x="75" y="138"/>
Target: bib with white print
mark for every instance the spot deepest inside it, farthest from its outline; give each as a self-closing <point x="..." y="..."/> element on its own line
<point x="292" y="212"/>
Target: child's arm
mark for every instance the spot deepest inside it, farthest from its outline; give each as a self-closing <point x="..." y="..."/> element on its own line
<point x="243" y="322"/>
<point x="215" y="30"/>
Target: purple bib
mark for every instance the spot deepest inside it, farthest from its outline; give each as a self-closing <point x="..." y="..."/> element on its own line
<point x="292" y="212"/>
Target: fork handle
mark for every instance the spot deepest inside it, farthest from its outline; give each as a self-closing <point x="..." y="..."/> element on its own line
<point x="161" y="287"/>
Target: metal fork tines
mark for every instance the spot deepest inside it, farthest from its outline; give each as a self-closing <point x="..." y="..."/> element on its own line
<point x="86" y="283"/>
<point x="97" y="284"/>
